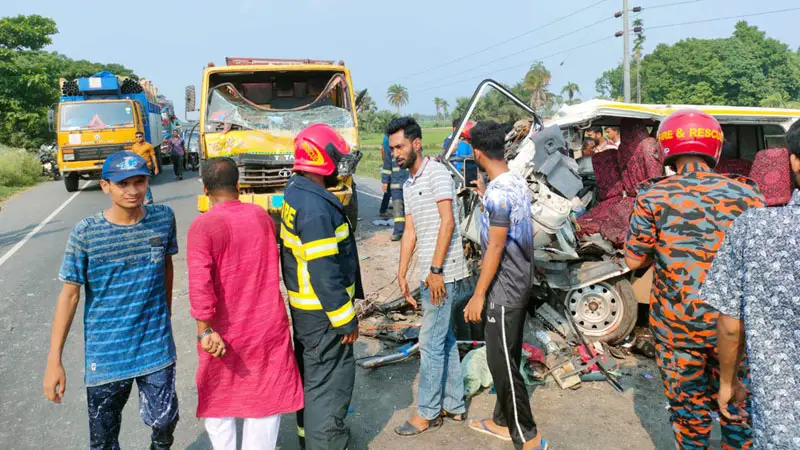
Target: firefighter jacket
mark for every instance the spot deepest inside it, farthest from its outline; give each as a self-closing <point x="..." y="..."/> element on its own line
<point x="392" y="174"/>
<point x="319" y="260"/>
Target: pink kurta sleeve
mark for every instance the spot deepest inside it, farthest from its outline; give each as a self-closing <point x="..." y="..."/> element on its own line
<point x="273" y="264"/>
<point x="202" y="295"/>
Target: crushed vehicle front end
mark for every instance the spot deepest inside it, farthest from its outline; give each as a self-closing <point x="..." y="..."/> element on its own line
<point x="252" y="114"/>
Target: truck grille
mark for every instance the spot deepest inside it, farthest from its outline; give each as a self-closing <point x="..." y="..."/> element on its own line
<point x="270" y="176"/>
<point x="96" y="153"/>
<point x="268" y="172"/>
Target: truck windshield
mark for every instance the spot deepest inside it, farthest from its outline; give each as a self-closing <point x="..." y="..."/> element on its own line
<point x="228" y="108"/>
<point x="95" y="115"/>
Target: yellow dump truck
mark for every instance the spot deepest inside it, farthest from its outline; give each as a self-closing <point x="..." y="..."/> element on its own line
<point x="251" y="110"/>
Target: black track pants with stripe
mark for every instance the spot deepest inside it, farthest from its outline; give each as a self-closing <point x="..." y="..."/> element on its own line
<point x="504" y="328"/>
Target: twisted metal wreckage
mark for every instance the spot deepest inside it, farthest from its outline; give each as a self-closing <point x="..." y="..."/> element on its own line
<point x="579" y="282"/>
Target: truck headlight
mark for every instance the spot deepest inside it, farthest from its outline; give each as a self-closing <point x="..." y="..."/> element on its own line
<point x="348" y="164"/>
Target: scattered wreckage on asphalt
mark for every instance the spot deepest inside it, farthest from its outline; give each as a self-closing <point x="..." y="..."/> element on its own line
<point x="582" y="206"/>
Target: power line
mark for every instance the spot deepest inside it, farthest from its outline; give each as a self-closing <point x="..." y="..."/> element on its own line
<point x="488" y="74"/>
<point x="461" y="58"/>
<point x="666" y="5"/>
<point x="504" y="57"/>
<point x="742" y="16"/>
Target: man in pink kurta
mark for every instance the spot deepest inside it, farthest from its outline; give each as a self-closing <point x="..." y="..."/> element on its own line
<point x="247" y="366"/>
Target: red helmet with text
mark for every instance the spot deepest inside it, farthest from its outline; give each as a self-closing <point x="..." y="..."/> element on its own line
<point x="690" y="132"/>
<point x="466" y="132"/>
<point x="318" y="149"/>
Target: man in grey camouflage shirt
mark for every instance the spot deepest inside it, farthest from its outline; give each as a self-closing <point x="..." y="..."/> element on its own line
<point x="755" y="284"/>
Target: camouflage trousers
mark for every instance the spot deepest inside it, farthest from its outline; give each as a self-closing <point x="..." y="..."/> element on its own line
<point x="691" y="383"/>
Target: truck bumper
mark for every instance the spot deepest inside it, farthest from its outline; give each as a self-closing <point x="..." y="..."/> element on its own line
<point x="272" y="203"/>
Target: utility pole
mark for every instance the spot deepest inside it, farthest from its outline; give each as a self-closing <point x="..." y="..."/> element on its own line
<point x="626" y="60"/>
<point x="626" y="57"/>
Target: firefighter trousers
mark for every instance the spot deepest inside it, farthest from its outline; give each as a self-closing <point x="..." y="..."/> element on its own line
<point x="399" y="211"/>
<point x="328" y="371"/>
<point x="691" y="383"/>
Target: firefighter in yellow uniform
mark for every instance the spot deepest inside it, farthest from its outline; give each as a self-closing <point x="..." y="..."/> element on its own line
<point x="322" y="276"/>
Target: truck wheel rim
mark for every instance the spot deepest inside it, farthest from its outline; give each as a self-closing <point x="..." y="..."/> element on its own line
<point x="597" y="309"/>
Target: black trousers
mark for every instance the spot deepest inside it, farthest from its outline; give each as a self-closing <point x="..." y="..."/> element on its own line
<point x="177" y="164"/>
<point x="387" y="197"/>
<point x="328" y="370"/>
<point x="504" y="329"/>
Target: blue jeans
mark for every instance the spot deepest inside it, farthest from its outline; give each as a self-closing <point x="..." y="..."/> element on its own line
<point x="441" y="385"/>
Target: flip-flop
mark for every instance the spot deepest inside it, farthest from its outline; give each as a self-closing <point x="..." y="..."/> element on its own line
<point x="407" y="429"/>
<point x="544" y="446"/>
<point x="452" y="417"/>
<point x="485" y="430"/>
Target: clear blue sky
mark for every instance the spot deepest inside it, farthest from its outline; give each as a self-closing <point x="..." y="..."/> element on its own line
<point x="171" y="41"/>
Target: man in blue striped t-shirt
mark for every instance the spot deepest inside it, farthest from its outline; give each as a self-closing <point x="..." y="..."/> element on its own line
<point x="123" y="259"/>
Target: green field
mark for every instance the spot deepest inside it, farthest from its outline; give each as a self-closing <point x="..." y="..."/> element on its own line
<point x="431" y="138"/>
<point x="371" y="163"/>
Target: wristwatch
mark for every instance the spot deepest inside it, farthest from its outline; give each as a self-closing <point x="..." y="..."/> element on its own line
<point x="205" y="333"/>
<point x="436" y="270"/>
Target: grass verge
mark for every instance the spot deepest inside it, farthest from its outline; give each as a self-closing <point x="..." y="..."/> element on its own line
<point x="18" y="170"/>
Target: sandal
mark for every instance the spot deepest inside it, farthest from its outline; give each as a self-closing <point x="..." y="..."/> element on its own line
<point x="407" y="429"/>
<point x="459" y="418"/>
<point x="480" y="427"/>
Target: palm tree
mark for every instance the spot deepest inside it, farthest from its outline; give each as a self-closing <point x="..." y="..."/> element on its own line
<point x="438" y="102"/>
<point x="397" y="95"/>
<point x="571" y="89"/>
<point x="537" y="81"/>
<point x="445" y="106"/>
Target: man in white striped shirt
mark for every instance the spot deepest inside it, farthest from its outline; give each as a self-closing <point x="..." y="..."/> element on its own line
<point x="431" y="228"/>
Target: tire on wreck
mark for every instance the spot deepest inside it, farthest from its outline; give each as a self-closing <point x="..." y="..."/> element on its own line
<point x="604" y="311"/>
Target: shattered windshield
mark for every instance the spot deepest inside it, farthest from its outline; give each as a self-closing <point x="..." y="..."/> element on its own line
<point x="228" y="108"/>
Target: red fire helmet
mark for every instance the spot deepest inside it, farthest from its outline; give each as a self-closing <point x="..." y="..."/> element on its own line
<point x="690" y="132"/>
<point x="318" y="149"/>
<point x="465" y="133"/>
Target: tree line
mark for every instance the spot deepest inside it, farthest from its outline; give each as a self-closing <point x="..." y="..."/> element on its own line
<point x="29" y="78"/>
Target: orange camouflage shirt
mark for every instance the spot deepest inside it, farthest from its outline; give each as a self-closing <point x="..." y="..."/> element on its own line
<point x="680" y="221"/>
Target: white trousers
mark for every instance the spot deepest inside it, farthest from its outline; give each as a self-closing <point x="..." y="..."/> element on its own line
<point x="258" y="434"/>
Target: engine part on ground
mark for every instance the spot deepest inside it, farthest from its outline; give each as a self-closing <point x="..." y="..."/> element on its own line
<point x="403" y="353"/>
<point x="549" y="160"/>
<point x="370" y="309"/>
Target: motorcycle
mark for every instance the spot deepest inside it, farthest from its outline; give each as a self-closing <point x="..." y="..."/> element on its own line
<point x="47" y="158"/>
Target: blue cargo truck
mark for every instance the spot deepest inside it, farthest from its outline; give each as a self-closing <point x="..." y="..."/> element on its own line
<point x="99" y="115"/>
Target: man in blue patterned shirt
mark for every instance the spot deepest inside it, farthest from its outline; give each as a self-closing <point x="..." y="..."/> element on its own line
<point x="123" y="259"/>
<point x="507" y="244"/>
<point x="755" y="284"/>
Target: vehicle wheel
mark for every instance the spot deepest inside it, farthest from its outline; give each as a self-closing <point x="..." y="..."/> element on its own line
<point x="71" y="182"/>
<point x="351" y="210"/>
<point x="604" y="311"/>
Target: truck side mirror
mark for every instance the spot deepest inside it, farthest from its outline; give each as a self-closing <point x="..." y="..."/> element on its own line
<point x="190" y="99"/>
<point x="51" y="118"/>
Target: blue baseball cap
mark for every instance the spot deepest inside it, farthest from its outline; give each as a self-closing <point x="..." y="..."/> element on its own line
<point x="123" y="165"/>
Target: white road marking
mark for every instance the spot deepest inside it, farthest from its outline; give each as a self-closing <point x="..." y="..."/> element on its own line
<point x="39" y="227"/>
<point x="379" y="197"/>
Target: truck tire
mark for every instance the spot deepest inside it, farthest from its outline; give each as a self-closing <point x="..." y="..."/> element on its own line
<point x="351" y="210"/>
<point x="605" y="311"/>
<point x="71" y="182"/>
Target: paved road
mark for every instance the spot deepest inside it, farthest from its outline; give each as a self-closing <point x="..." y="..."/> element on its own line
<point x="383" y="398"/>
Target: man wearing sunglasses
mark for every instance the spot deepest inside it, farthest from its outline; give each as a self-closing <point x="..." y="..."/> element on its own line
<point x="146" y="151"/>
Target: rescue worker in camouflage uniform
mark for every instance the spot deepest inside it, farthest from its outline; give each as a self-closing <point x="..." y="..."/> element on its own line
<point x="321" y="272"/>
<point x="393" y="177"/>
<point x="678" y="224"/>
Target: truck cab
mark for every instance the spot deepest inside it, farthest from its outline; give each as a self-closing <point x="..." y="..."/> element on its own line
<point x="252" y="109"/>
<point x="96" y="118"/>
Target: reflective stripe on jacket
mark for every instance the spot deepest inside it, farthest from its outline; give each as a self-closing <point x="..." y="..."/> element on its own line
<point x="319" y="259"/>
